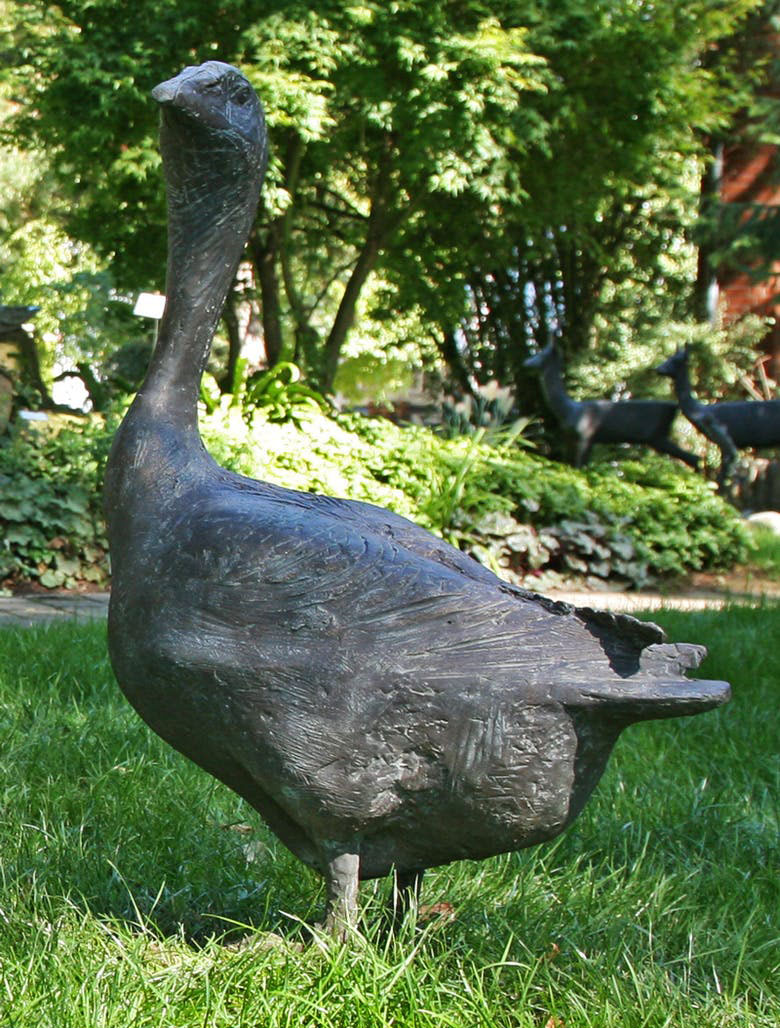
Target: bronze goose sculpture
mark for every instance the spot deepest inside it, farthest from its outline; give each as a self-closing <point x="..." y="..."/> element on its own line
<point x="384" y="702"/>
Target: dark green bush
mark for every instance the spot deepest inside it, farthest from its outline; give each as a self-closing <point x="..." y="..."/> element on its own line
<point x="654" y="516"/>
<point x="51" y="525"/>
<point x="672" y="516"/>
<point x="628" y="520"/>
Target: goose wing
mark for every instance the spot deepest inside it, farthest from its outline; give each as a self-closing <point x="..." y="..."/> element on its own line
<point x="327" y="585"/>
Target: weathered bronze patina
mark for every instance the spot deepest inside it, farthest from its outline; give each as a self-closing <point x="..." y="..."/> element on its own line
<point x="382" y="700"/>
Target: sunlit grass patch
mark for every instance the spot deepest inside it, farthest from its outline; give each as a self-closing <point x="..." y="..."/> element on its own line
<point x="134" y="890"/>
<point x="764" y="551"/>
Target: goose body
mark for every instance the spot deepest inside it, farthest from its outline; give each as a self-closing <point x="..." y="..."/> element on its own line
<point x="380" y="698"/>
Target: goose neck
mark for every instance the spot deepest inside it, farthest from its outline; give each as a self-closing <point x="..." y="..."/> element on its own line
<point x="209" y="219"/>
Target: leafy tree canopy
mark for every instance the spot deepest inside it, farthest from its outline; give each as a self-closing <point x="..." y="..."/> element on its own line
<point x="501" y="171"/>
<point x="373" y="109"/>
<point x="595" y="240"/>
<point x="743" y="234"/>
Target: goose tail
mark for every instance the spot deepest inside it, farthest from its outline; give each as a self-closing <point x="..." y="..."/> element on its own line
<point x="658" y="687"/>
<point x="645" y="698"/>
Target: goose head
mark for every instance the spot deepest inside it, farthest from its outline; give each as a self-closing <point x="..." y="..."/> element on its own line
<point x="214" y="149"/>
<point x="206" y="111"/>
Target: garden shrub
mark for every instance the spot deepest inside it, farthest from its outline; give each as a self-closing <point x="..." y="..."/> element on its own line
<point x="511" y="508"/>
<point x="51" y="524"/>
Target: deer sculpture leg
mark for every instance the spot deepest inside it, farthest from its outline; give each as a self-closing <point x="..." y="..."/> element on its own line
<point x="578" y="449"/>
<point x="665" y="445"/>
<point x="709" y="426"/>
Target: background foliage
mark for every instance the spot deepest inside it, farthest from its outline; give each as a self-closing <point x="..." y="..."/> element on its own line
<point x="51" y="527"/>
<point x="449" y="183"/>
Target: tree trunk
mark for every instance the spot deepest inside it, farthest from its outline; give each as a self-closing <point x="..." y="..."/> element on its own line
<point x="376" y="236"/>
<point x="345" y="315"/>
<point x="452" y="357"/>
<point x="99" y="393"/>
<point x="705" y="293"/>
<point x="227" y="381"/>
<point x="265" y="257"/>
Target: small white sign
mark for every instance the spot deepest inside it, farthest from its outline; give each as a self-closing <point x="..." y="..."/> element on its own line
<point x="33" y="415"/>
<point x="149" y="305"/>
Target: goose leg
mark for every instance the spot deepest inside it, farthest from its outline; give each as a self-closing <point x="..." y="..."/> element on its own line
<point x="341" y="887"/>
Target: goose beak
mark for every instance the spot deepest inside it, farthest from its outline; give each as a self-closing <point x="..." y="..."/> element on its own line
<point x="166" y="92"/>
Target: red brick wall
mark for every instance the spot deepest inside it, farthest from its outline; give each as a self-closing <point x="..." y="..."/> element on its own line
<point x="751" y="175"/>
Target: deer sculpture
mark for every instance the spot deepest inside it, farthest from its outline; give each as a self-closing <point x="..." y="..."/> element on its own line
<point x="586" y="422"/>
<point x="730" y="424"/>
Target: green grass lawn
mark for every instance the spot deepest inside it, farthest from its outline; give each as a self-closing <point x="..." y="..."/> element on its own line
<point x="136" y="891"/>
<point x="765" y="552"/>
